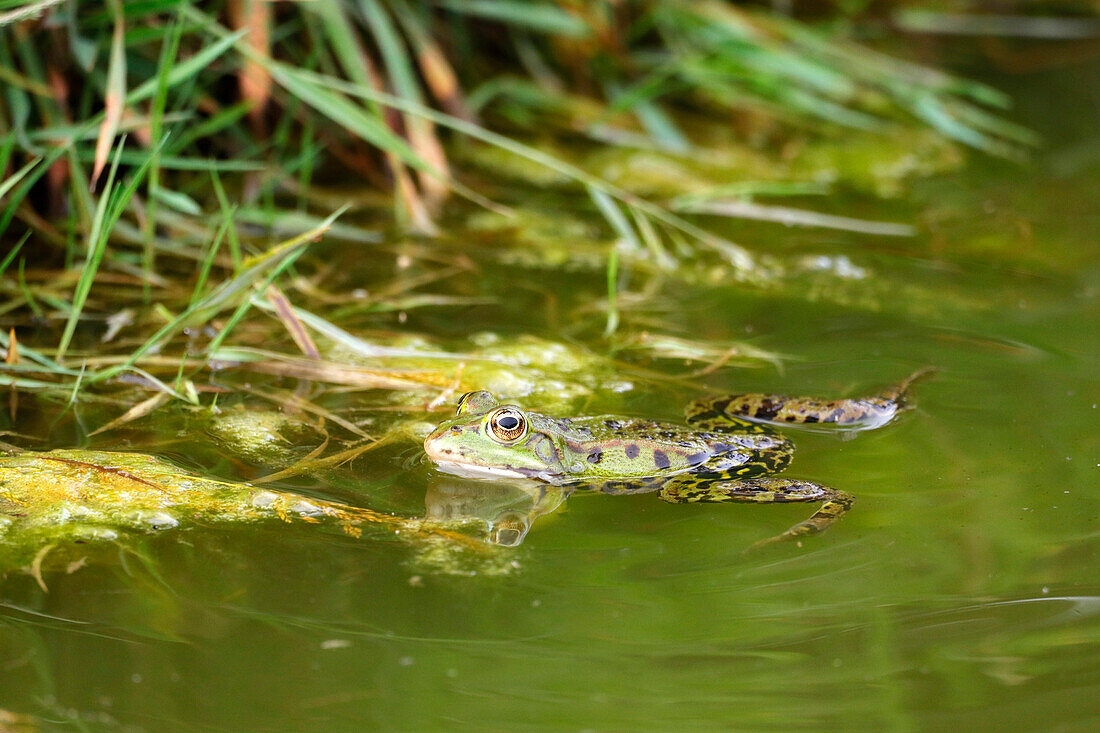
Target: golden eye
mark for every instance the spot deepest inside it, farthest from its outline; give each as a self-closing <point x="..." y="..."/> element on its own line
<point x="508" y="424"/>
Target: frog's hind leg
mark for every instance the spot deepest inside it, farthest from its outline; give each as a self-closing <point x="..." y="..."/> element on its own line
<point x="770" y="490"/>
<point x="859" y="413"/>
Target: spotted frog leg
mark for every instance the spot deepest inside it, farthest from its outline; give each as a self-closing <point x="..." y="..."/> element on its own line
<point x="862" y="413"/>
<point x="767" y="490"/>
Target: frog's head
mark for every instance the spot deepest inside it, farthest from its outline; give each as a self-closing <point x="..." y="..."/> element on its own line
<point x="487" y="438"/>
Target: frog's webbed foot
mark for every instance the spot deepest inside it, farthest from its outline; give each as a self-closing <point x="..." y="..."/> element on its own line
<point x="509" y="529"/>
<point x="858" y="413"/>
<point x="770" y="490"/>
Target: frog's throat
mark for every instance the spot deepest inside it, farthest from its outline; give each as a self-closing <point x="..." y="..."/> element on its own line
<point x="472" y="470"/>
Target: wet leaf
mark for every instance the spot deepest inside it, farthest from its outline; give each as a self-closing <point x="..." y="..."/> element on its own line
<point x="139" y="410"/>
<point x="11" y="357"/>
<point x="294" y="326"/>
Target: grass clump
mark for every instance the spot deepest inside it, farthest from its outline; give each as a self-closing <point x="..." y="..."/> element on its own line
<point x="124" y="125"/>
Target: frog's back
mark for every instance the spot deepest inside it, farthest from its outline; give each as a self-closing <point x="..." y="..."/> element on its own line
<point x="615" y="447"/>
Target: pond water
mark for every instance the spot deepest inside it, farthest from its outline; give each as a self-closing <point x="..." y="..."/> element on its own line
<point x="960" y="592"/>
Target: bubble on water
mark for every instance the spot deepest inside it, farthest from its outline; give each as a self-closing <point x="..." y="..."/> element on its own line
<point x="157" y="520"/>
<point x="305" y="508"/>
<point x="96" y="533"/>
<point x="264" y="499"/>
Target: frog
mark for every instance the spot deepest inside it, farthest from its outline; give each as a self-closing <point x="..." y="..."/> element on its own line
<point x="728" y="450"/>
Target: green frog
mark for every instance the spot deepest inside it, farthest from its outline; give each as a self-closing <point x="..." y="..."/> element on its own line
<point x="728" y="451"/>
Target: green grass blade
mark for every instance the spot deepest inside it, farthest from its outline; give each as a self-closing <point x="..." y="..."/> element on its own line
<point x="10" y="182"/>
<point x="30" y="178"/>
<point x="615" y="217"/>
<point x="394" y="53"/>
<point x="6" y="148"/>
<point x="10" y="256"/>
<point x="97" y="243"/>
<point x="341" y="36"/>
<point x="228" y="212"/>
<point x="177" y="200"/>
<point x="208" y="261"/>
<point x="534" y="16"/>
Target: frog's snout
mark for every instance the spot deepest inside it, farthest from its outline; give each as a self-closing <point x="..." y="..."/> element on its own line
<point x="436" y="447"/>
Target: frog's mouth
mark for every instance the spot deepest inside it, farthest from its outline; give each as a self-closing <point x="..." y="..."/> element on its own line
<point x="471" y="470"/>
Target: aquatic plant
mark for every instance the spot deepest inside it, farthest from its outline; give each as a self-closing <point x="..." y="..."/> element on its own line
<point x="277" y="93"/>
<point x="122" y="124"/>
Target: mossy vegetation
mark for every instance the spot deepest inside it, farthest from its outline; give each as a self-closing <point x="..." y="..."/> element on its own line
<point x="57" y="500"/>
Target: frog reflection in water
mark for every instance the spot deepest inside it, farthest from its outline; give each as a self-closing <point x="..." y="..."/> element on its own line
<point x="507" y="507"/>
<point x="723" y="454"/>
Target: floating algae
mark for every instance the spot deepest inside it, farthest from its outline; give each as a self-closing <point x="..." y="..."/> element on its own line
<point x="267" y="437"/>
<point x="550" y="374"/>
<point x="57" y="499"/>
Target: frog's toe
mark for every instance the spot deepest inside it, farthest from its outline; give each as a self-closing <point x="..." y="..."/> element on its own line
<point x="835" y="505"/>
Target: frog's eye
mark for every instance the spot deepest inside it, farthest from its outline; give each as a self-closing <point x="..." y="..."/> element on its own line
<point x="508" y="424"/>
